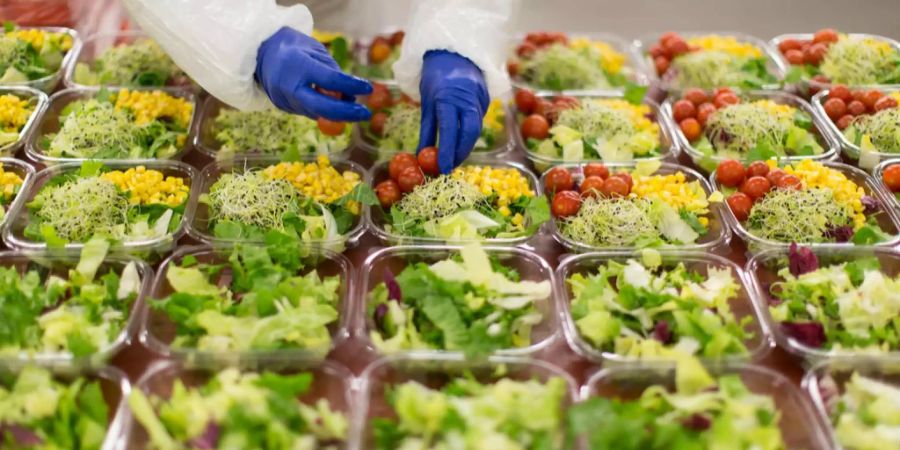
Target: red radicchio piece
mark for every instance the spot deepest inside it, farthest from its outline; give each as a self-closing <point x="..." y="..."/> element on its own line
<point x="209" y="439"/>
<point x="662" y="332"/>
<point x="21" y="436"/>
<point x="393" y="287"/>
<point x="871" y="204"/>
<point x="380" y="311"/>
<point x="811" y="334"/>
<point x="801" y="260"/>
<point x="840" y="234"/>
<point x="697" y="422"/>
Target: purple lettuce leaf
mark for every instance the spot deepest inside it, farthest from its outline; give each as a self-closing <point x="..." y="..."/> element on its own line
<point x="393" y="287"/>
<point x="662" y="332"/>
<point x="697" y="422"/>
<point x="21" y="436"/>
<point x="801" y="260"/>
<point x="811" y="334"/>
<point x="840" y="234"/>
<point x="209" y="439"/>
<point x="871" y="204"/>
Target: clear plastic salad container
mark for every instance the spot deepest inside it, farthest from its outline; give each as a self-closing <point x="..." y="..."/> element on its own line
<point x="775" y="64"/>
<point x="799" y="423"/>
<point x="40" y="104"/>
<point x="435" y="372"/>
<point x="59" y="265"/>
<point x="542" y="162"/>
<point x="331" y="382"/>
<point x="762" y="270"/>
<point x="159" y="331"/>
<point x="619" y="44"/>
<point x="529" y="265"/>
<point x="866" y="160"/>
<point x="377" y="216"/>
<point x="14" y="232"/>
<point x="758" y="343"/>
<point x="821" y="125"/>
<point x="718" y="231"/>
<point x="878" y="176"/>
<point x="888" y="221"/>
<point x="50" y="123"/>
<point x="49" y="83"/>
<point x="26" y="173"/>
<point x="198" y="227"/>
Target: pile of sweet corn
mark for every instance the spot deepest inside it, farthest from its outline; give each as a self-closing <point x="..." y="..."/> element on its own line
<point x="813" y="174"/>
<point x="610" y="60"/>
<point x="506" y="182"/>
<point x="727" y="44"/>
<point x="148" y="106"/>
<point x="637" y="114"/>
<point x="9" y="184"/>
<point x="783" y="112"/>
<point x="14" y="113"/>
<point x="37" y="37"/>
<point x="493" y="119"/>
<point x="674" y="190"/>
<point x="318" y="180"/>
<point x="149" y="186"/>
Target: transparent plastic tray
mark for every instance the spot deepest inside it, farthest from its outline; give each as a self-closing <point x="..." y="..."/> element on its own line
<point x="762" y="270"/>
<point x="850" y="149"/>
<point x="59" y="265"/>
<point x="159" y="331"/>
<point x="619" y="44"/>
<point x="758" y="343"/>
<point x="40" y="103"/>
<point x="798" y="422"/>
<point x="435" y="372"/>
<point x="530" y="266"/>
<point x="50" y="123"/>
<point x="878" y="178"/>
<point x="331" y="382"/>
<point x="377" y="219"/>
<point x="95" y="45"/>
<point x="887" y="218"/>
<point x="48" y="83"/>
<point x="14" y="232"/>
<point x="824" y="136"/>
<point x="26" y="173"/>
<point x="775" y="63"/>
<point x="198" y="226"/>
<point x="718" y="231"/>
<point x="543" y="162"/>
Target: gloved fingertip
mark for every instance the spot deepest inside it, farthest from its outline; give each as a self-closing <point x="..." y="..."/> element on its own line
<point x="445" y="161"/>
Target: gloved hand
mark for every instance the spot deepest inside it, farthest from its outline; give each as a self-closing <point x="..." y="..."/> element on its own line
<point x="290" y="65"/>
<point x="454" y="101"/>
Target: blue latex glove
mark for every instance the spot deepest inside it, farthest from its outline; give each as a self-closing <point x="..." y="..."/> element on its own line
<point x="290" y="65"/>
<point x="454" y="101"/>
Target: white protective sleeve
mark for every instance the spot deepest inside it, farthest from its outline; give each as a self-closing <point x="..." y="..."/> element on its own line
<point x="215" y="41"/>
<point x="476" y="29"/>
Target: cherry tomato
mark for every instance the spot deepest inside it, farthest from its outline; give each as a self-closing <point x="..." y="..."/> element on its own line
<point x="330" y="127"/>
<point x="376" y="123"/>
<point x="730" y="173"/>
<point x="885" y="102"/>
<point x="408" y="100"/>
<point x="566" y="203"/>
<point x="755" y="187"/>
<point x="695" y="96"/>
<point x="593" y="186"/>
<point x="626" y="178"/>
<point x="513" y="68"/>
<point x="526" y="49"/>
<point x="561" y="102"/>
<point x="399" y="162"/>
<point x="844" y="122"/>
<point x="740" y="205"/>
<point x="388" y="192"/>
<point x="615" y="187"/>
<point x="596" y="170"/>
<point x="691" y="129"/>
<point x="794" y="56"/>
<point x="726" y="98"/>
<point x="757" y="169"/>
<point x="662" y="64"/>
<point x="870" y="98"/>
<point x="789" y="44"/>
<point x="556" y="37"/>
<point x="397" y="38"/>
<point x="788" y="182"/>
<point x="825" y="36"/>
<point x="558" y="179"/>
<point x="525" y="101"/>
<point x="859" y="95"/>
<point x="410" y="177"/>
<point x="774" y="175"/>
<point x="379" y="52"/>
<point x="428" y="161"/>
<point x="804" y="44"/>
<point x="656" y="50"/>
<point x="543" y="108"/>
<point x="835" y="108"/>
<point x="683" y="109"/>
<point x="856" y="108"/>
<point x="535" y="127"/>
<point x="840" y="91"/>
<point x="676" y="46"/>
<point x="891" y="177"/>
<point x="380" y="98"/>
<point x="667" y="35"/>
<point x="721" y="90"/>
<point x="814" y="54"/>
<point x="704" y="111"/>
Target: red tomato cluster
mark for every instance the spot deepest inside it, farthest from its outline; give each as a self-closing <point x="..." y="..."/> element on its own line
<point x="812" y="51"/>
<point x="330" y="127"/>
<point x="540" y="113"/>
<point x="406" y="171"/>
<point x="891" y="178"/>
<point x="843" y="104"/>
<point x="670" y="46"/>
<point x="382" y="46"/>
<point x="532" y="42"/>
<point x="694" y="108"/>
<point x="567" y="197"/>
<point x="378" y="102"/>
<point x="753" y="183"/>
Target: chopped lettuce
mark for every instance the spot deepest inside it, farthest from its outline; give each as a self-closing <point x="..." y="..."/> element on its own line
<point x="867" y="414"/>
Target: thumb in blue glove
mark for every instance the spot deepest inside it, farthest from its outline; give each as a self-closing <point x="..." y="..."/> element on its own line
<point x="290" y="66"/>
<point x="454" y="101"/>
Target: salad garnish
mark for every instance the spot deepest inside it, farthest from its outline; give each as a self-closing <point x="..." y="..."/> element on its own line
<point x="258" y="300"/>
<point x="37" y="411"/>
<point x="140" y="63"/>
<point x="14" y="114"/>
<point x="338" y="45"/>
<point x="470" y="302"/>
<point x="30" y="54"/>
<point x="867" y="118"/>
<point x="381" y="54"/>
<point x="122" y="125"/>
<point x="833" y="57"/>
<point x="276" y="132"/>
<point x="506" y="414"/>
<point x="240" y="410"/>
<point x="891" y="179"/>
<point x="10" y="184"/>
<point x="709" y="61"/>
<point x="865" y="415"/>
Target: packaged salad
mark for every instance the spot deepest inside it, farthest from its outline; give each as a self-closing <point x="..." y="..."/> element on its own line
<point x="709" y="60"/>
<point x="114" y="124"/>
<point x="865" y="121"/>
<point x="472" y="300"/>
<point x="375" y="59"/>
<point x="554" y="61"/>
<point x="34" y="56"/>
<point x="496" y="202"/>
<point x="654" y="306"/>
<point x="807" y="202"/>
<point x="560" y="129"/>
<point x="249" y="301"/>
<point x="15" y="177"/>
<point x="757" y="125"/>
<point x="396" y="121"/>
<point x="888" y="174"/>
<point x="178" y="408"/>
<point x="645" y="204"/>
<point x="128" y="59"/>
<point x="19" y="111"/>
